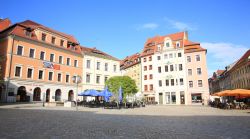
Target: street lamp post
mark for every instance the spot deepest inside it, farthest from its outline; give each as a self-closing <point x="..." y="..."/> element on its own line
<point x="77" y="79"/>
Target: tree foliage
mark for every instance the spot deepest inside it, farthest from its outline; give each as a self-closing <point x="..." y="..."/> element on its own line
<point x="128" y="85"/>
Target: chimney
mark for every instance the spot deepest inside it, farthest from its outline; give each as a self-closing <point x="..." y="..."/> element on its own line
<point x="185" y="35"/>
<point x="4" y="23"/>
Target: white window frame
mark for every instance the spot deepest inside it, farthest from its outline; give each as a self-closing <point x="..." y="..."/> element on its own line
<point x="76" y="63"/>
<point x="87" y="63"/>
<point x="196" y="58"/>
<point x="197" y="71"/>
<point x="66" y="78"/>
<point x="178" y="42"/>
<point x="107" y="67"/>
<point x="34" y="53"/>
<point x="97" y="65"/>
<point x="53" y="57"/>
<point x="31" y="74"/>
<point x="21" y="71"/>
<point x="52" y="76"/>
<point x="191" y="72"/>
<point x="42" y="75"/>
<point x="59" y="59"/>
<point x="44" y="55"/>
<point x="201" y="83"/>
<point x="89" y="78"/>
<point x="190" y="59"/>
<point x="69" y="61"/>
<point x="22" y="50"/>
<point x="99" y="79"/>
<point x="61" y="77"/>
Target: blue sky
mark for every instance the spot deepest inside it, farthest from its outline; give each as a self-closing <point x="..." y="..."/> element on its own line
<point x="121" y="27"/>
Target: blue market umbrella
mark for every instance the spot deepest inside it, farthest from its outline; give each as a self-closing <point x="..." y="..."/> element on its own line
<point x="106" y="94"/>
<point x="90" y="92"/>
<point x="120" y="94"/>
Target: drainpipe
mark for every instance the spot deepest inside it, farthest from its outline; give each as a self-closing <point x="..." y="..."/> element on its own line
<point x="8" y="82"/>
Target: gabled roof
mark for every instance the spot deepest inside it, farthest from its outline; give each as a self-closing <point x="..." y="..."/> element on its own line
<point x="97" y="53"/>
<point x="151" y="44"/>
<point x="190" y="47"/>
<point x="130" y="61"/>
<point x="18" y="29"/>
<point x="242" y="59"/>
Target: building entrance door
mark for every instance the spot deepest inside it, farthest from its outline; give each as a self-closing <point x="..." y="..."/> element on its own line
<point x="47" y="95"/>
<point x="182" y="96"/>
<point x="160" y="98"/>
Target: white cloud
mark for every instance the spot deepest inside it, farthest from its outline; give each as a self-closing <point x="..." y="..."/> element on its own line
<point x="220" y="55"/>
<point x="150" y="26"/>
<point x="181" y="26"/>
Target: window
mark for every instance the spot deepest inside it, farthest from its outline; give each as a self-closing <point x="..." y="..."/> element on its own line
<point x="190" y="84"/>
<point x="158" y="57"/>
<point x="28" y="33"/>
<point x="150" y="67"/>
<point x="159" y="48"/>
<point x="176" y="81"/>
<point x="188" y="59"/>
<point x="189" y="71"/>
<point x="42" y="55"/>
<point x="171" y="55"/>
<point x="75" y="63"/>
<point x="180" y="67"/>
<point x="50" y="76"/>
<point x="172" y="82"/>
<point x="29" y="73"/>
<point x="179" y="54"/>
<point x="88" y="78"/>
<point x="151" y="87"/>
<point x="177" y="44"/>
<point x="145" y="88"/>
<point x="67" y="78"/>
<point x="150" y="58"/>
<point x="151" y="76"/>
<point x="144" y="59"/>
<point x="159" y="69"/>
<point x="43" y="37"/>
<point x="145" y="68"/>
<point x="61" y="42"/>
<point x="145" y="77"/>
<point x="160" y="83"/>
<point x="53" y="40"/>
<point x="199" y="71"/>
<point x="105" y="78"/>
<point x="166" y="68"/>
<point x="198" y="58"/>
<point x="171" y="67"/>
<point x="98" y="65"/>
<point x="60" y="60"/>
<point x="68" y="61"/>
<point x="40" y="74"/>
<point x="199" y="83"/>
<point x="88" y="64"/>
<point x="52" y="56"/>
<point x="59" y="77"/>
<point x="181" y="81"/>
<point x="20" y="50"/>
<point x="166" y="56"/>
<point x="167" y="44"/>
<point x="32" y="53"/>
<point x="97" y="79"/>
<point x="106" y="66"/>
<point x="18" y="71"/>
<point x="167" y="82"/>
<point x="114" y="68"/>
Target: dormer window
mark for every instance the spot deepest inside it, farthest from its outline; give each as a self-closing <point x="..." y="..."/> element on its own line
<point x="28" y="33"/>
<point x="43" y="37"/>
<point x="53" y="40"/>
<point x="61" y="42"/>
<point x="178" y="44"/>
<point x="158" y="48"/>
<point x="167" y="44"/>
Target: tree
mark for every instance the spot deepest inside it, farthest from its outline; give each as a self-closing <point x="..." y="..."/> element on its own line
<point x="128" y="85"/>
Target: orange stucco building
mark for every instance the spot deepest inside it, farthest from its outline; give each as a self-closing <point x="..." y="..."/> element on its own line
<point x="37" y="63"/>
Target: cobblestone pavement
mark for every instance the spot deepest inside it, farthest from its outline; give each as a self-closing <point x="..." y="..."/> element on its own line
<point x="173" y="122"/>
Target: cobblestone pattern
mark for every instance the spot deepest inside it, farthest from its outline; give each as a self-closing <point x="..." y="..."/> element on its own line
<point x="58" y="124"/>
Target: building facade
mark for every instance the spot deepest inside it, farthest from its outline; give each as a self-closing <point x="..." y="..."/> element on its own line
<point x="97" y="68"/>
<point x="165" y="70"/>
<point x="38" y="63"/>
<point x="235" y="75"/>
<point x="131" y="66"/>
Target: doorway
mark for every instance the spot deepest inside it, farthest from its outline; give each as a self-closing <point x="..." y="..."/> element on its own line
<point x="71" y="95"/>
<point x="58" y="95"/>
<point x="47" y="95"/>
<point x="160" y="98"/>
<point x="37" y="94"/>
<point x="22" y="94"/>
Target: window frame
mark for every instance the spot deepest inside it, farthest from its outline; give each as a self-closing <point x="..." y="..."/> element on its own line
<point x="34" y="53"/>
<point x="22" y="50"/>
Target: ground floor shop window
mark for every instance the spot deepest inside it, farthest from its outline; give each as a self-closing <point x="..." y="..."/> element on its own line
<point x="173" y="97"/>
<point x="170" y="98"/>
<point x="196" y="98"/>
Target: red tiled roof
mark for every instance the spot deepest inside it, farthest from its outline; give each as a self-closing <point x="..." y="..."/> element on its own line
<point x="130" y="61"/>
<point x="190" y="47"/>
<point x="18" y="30"/>
<point x="4" y="23"/>
<point x="242" y="59"/>
<point x="219" y="72"/>
<point x="94" y="51"/>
